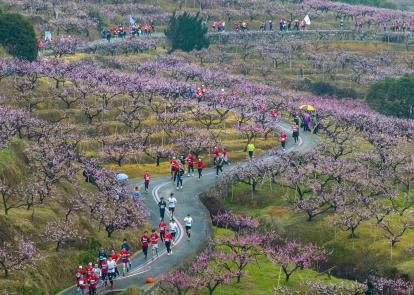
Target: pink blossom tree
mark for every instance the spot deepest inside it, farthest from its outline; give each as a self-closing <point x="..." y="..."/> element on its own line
<point x="292" y="256"/>
<point x="208" y="271"/>
<point x="240" y="251"/>
<point x="17" y="255"/>
<point x="61" y="231"/>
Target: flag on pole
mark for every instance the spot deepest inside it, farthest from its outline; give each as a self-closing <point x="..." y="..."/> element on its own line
<point x="131" y="20"/>
<point x="307" y="20"/>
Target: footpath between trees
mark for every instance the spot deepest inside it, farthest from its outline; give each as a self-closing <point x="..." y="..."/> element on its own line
<point x="187" y="203"/>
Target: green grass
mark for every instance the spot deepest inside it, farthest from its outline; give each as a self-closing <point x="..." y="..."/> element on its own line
<point x="370" y="250"/>
<point x="262" y="277"/>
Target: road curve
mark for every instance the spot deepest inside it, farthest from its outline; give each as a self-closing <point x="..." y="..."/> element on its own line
<point x="188" y="202"/>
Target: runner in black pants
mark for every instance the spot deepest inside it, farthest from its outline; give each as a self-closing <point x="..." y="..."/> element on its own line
<point x="145" y="239"/>
<point x="219" y="165"/>
<point x="168" y="238"/>
<point x="295" y="132"/>
<point x="162" y="205"/>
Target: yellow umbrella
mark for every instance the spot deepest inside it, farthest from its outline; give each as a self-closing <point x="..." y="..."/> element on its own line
<point x="307" y="107"/>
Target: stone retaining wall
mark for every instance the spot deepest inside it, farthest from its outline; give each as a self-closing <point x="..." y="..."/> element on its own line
<point x="310" y="35"/>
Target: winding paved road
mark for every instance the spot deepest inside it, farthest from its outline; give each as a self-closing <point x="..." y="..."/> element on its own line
<point x="187" y="202"/>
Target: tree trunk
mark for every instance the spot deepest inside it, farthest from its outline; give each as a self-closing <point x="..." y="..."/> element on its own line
<point x="58" y="246"/>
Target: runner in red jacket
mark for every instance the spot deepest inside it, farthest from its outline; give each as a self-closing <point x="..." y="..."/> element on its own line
<point x="173" y="164"/>
<point x="174" y="169"/>
<point x="216" y="153"/>
<point x="162" y="226"/>
<point x="168" y="239"/>
<point x="200" y="166"/>
<point x="93" y="281"/>
<point x="89" y="271"/>
<point x="283" y="138"/>
<point x="104" y="271"/>
<point x="147" y="179"/>
<point x="154" y="242"/>
<point x="224" y="154"/>
<point x="190" y="163"/>
<point x="82" y="284"/>
<point x="79" y="272"/>
<point x="145" y="239"/>
<point x="124" y="259"/>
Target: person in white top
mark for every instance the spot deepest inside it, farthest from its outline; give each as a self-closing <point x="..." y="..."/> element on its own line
<point x="171" y="204"/>
<point x="97" y="270"/>
<point x="111" y="271"/>
<point x="188" y="223"/>
<point x="173" y="230"/>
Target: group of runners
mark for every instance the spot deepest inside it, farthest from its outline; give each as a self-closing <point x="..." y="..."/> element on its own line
<point x="167" y="234"/>
<point x="121" y="31"/>
<point x="178" y="166"/>
<point x="110" y="265"/>
<point x="305" y="122"/>
<point x="105" y="269"/>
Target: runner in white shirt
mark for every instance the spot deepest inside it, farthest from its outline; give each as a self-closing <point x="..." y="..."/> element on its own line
<point x="188" y="223"/>
<point x="111" y="271"/>
<point x="173" y="230"/>
<point x="171" y="204"/>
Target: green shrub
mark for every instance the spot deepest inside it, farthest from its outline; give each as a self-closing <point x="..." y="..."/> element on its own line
<point x="186" y="32"/>
<point x="393" y="97"/>
<point x="18" y="36"/>
<point x="103" y="22"/>
<point x="325" y="88"/>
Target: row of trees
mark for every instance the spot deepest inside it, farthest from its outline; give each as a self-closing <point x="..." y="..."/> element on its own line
<point x="53" y="160"/>
<point x="136" y="100"/>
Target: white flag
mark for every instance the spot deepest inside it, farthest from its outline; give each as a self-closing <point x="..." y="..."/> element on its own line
<point x="131" y="20"/>
<point x="307" y="20"/>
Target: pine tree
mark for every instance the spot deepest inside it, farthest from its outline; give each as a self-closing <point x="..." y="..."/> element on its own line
<point x="18" y="36"/>
<point x="186" y="32"/>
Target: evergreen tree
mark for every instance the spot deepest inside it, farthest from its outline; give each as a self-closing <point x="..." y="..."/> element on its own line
<point x="393" y="96"/>
<point x="186" y="32"/>
<point x="18" y="36"/>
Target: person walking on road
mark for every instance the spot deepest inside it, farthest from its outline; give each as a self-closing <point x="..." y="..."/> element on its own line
<point x="81" y="285"/>
<point x="190" y="165"/>
<point x="154" y="243"/>
<point x="225" y="156"/>
<point x="173" y="230"/>
<point x="111" y="271"/>
<point x="188" y="221"/>
<point x="162" y="227"/>
<point x="250" y="150"/>
<point x="295" y="132"/>
<point x="145" y="239"/>
<point x="101" y="256"/>
<point x="162" y="205"/>
<point x="93" y="281"/>
<point x="296" y="119"/>
<point x="283" y="138"/>
<point x="180" y="175"/>
<point x="97" y="271"/>
<point x="174" y="168"/>
<point x="125" y="260"/>
<point x="116" y="258"/>
<point x="79" y="274"/>
<point x="147" y="179"/>
<point x="219" y="165"/>
<point x="104" y="271"/>
<point x="168" y="238"/>
<point x="135" y="193"/>
<point x="216" y="153"/>
<point x="172" y="201"/>
<point x="200" y="166"/>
